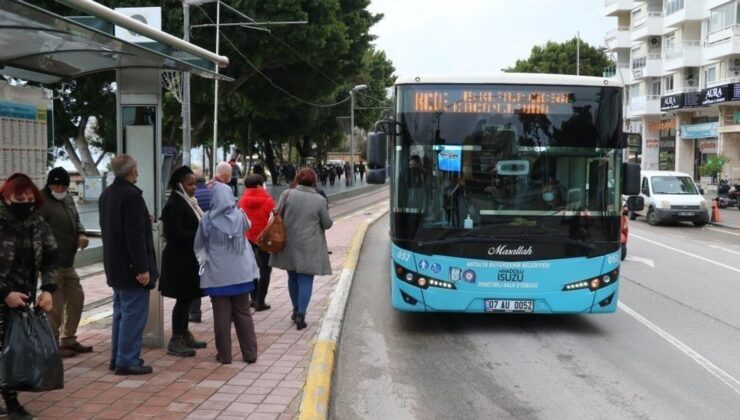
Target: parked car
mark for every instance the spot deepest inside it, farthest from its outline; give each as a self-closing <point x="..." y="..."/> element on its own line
<point x="672" y="197"/>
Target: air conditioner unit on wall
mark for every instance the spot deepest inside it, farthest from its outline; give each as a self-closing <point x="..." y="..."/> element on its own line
<point x="735" y="66"/>
<point x="654" y="41"/>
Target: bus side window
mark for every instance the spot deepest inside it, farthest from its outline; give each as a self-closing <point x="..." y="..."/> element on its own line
<point x="645" y="188"/>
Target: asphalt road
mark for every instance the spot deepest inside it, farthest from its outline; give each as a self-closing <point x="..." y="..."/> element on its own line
<point x="669" y="352"/>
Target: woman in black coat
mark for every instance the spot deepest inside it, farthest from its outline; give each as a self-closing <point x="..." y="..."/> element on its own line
<point x="179" y="280"/>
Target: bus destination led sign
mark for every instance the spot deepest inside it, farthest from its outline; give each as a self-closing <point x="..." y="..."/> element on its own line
<point x="502" y="102"/>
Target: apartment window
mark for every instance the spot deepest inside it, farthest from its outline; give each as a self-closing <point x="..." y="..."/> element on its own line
<point x="654" y="88"/>
<point x="673" y="6"/>
<point x="723" y="17"/>
<point x="710" y="75"/>
<point x="668" y="80"/>
<point x="635" y="91"/>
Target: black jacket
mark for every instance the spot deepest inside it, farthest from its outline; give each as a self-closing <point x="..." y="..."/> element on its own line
<point x="128" y="244"/>
<point x="179" y="266"/>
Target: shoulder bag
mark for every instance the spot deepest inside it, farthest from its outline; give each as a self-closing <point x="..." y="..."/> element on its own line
<point x="272" y="239"/>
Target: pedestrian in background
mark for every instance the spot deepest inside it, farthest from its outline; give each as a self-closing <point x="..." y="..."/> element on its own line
<point x="236" y="173"/>
<point x="257" y="204"/>
<point x="227" y="272"/>
<point x="223" y="175"/>
<point x="27" y="247"/>
<point x="60" y="212"/>
<point x="306" y="218"/>
<point x="202" y="193"/>
<point x="130" y="264"/>
<point x="179" y="280"/>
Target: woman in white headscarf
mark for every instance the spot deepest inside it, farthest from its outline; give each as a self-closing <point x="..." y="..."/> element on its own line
<point x="227" y="270"/>
<point x="179" y="280"/>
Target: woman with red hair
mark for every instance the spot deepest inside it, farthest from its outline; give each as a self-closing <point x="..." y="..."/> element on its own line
<point x="306" y="216"/>
<point x="27" y="246"/>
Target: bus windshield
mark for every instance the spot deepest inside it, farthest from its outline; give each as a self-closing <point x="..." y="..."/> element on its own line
<point x="507" y="160"/>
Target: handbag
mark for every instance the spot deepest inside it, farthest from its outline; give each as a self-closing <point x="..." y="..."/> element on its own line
<point x="30" y="360"/>
<point x="272" y="238"/>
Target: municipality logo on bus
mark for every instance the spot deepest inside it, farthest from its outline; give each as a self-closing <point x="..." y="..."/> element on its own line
<point x="505" y="250"/>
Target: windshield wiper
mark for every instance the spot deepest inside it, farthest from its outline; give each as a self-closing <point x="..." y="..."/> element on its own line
<point x="524" y="237"/>
<point x="461" y="239"/>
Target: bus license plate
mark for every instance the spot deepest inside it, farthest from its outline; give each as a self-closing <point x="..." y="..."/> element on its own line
<point x="500" y="305"/>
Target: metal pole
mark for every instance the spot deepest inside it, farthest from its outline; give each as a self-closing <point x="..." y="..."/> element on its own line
<point x="110" y="15"/>
<point x="215" y="90"/>
<point x="578" y="53"/>
<point x="352" y="136"/>
<point x="186" y="141"/>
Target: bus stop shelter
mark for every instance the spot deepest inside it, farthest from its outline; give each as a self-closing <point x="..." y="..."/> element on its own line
<point x="39" y="46"/>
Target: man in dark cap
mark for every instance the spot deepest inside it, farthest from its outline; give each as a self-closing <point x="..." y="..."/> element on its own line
<point x="61" y="214"/>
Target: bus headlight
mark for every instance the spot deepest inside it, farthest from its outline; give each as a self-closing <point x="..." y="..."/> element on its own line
<point x="423" y="282"/>
<point x="594" y="283"/>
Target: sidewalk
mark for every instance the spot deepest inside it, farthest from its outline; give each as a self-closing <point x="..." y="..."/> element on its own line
<point x="729" y="217"/>
<point x="199" y="387"/>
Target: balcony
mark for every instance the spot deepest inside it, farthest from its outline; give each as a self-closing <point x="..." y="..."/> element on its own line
<point x="618" y="38"/>
<point x="650" y="65"/>
<point x="685" y="54"/>
<point x="614" y="7"/>
<point x="644" y="105"/>
<point x="621" y="72"/>
<point x="722" y="82"/>
<point x="646" y="26"/>
<point x="722" y="43"/>
<point x="682" y="11"/>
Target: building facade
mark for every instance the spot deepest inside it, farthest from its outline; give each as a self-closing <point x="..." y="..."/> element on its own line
<point x="680" y="63"/>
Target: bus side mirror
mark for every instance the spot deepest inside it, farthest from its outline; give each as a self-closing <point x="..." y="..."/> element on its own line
<point x="377" y="156"/>
<point x="635" y="203"/>
<point x="630" y="178"/>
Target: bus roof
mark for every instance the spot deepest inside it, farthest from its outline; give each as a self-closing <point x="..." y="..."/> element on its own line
<point x="509" y="78"/>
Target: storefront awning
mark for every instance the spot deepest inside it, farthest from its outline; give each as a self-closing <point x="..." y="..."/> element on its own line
<point x="40" y="46"/>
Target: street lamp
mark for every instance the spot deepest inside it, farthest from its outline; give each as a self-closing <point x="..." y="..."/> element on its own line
<point x="352" y="129"/>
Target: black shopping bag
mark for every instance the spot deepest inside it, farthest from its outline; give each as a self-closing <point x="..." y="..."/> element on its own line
<point x="30" y="359"/>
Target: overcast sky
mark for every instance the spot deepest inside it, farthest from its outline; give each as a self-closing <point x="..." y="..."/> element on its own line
<point x="468" y="36"/>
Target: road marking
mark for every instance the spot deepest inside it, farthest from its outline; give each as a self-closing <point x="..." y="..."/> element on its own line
<point x="96" y="317"/>
<point x="647" y="261"/>
<point x="724" y="249"/>
<point x="710" y="367"/>
<point x="729" y="267"/>
<point x="723" y="231"/>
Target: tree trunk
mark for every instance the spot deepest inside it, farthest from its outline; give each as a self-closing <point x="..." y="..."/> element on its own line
<point x="270" y="159"/>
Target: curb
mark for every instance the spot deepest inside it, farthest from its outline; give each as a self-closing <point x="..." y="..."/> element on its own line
<point x="317" y="390"/>
<point x="719" y="225"/>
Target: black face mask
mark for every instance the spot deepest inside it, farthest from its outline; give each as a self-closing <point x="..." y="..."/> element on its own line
<point x="22" y="210"/>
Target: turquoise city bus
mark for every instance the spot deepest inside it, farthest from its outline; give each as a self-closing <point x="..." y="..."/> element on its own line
<point x="505" y="193"/>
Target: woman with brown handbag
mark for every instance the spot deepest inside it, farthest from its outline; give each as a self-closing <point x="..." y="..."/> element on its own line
<point x="306" y="216"/>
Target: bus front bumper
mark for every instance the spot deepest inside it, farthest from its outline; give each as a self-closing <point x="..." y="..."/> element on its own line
<point x="409" y="298"/>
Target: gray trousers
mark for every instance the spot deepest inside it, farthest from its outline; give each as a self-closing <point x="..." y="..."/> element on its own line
<point x="233" y="308"/>
<point x="68" y="301"/>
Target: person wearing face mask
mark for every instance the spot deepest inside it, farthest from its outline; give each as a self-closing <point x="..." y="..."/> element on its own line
<point x="552" y="196"/>
<point x="130" y="264"/>
<point x="27" y="247"/>
<point x="60" y="212"/>
<point x="180" y="280"/>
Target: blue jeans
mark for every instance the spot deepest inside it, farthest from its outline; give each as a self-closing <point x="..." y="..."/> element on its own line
<point x="299" y="288"/>
<point x="130" y="312"/>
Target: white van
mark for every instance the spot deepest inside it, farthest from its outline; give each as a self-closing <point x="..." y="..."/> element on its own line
<point x="672" y="197"/>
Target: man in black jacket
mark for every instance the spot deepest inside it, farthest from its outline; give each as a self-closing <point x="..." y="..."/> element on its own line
<point x="130" y="264"/>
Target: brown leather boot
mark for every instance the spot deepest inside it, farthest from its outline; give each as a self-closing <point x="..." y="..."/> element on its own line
<point x="66" y="352"/>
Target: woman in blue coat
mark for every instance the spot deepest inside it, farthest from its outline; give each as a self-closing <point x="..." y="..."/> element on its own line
<point x="227" y="270"/>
